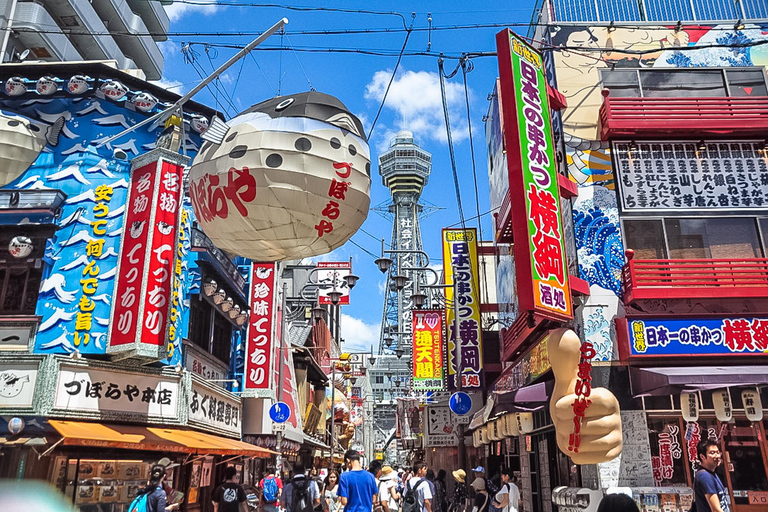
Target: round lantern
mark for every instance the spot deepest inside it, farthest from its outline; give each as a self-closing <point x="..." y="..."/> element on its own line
<point x="15" y="86"/>
<point x="287" y="179"/>
<point x="114" y="90"/>
<point x="144" y="101"/>
<point x="199" y="123"/>
<point x="46" y="86"/>
<point x="20" y="247"/>
<point x="78" y="84"/>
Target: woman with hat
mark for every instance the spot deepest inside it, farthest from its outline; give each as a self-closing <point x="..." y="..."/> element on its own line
<point x="459" y="502"/>
<point x="388" y="488"/>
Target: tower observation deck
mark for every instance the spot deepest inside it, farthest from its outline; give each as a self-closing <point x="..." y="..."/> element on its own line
<point x="404" y="170"/>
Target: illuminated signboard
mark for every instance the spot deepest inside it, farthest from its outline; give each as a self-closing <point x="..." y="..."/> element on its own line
<point x="427" y="350"/>
<point x="542" y="275"/>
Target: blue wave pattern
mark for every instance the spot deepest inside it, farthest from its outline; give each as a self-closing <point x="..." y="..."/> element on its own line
<point x="599" y="239"/>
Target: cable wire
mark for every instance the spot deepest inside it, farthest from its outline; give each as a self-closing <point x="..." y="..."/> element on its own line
<point x="309" y="82"/>
<point x="441" y="72"/>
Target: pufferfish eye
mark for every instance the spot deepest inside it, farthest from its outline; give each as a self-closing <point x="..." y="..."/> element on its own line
<point x="352" y="150"/>
<point x="274" y="160"/>
<point x="303" y="144"/>
<point x="335" y="143"/>
<point x="238" y="151"/>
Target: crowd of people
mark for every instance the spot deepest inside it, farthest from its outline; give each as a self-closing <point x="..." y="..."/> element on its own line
<point x="384" y="488"/>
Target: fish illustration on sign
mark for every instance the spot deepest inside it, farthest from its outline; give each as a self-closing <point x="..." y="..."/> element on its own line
<point x="21" y="141"/>
<point x="11" y="385"/>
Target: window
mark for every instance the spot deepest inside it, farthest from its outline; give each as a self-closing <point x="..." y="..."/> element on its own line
<point x="378" y="379"/>
<point x="20" y="277"/>
<point x="684" y="82"/>
<point x="216" y="341"/>
<point x="695" y="238"/>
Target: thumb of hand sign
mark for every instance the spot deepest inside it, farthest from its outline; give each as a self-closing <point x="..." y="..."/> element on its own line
<point x="598" y="436"/>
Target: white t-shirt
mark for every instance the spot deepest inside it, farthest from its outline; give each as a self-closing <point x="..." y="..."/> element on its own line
<point x="424" y="491"/>
<point x="385" y="493"/>
<point x="514" y="497"/>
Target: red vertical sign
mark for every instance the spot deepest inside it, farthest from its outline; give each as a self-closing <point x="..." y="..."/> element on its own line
<point x="133" y="256"/>
<point x="147" y="257"/>
<point x="258" y="351"/>
<point x="161" y="255"/>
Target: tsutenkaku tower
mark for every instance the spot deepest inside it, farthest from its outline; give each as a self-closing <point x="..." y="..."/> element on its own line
<point x="404" y="170"/>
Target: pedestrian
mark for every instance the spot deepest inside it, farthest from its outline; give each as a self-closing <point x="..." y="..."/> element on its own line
<point x="271" y="489"/>
<point x="507" y="499"/>
<point x="430" y="476"/>
<point x="229" y="496"/>
<point x="153" y="498"/>
<point x="172" y="495"/>
<point x="709" y="492"/>
<point x="330" y="494"/>
<point x="440" y="492"/>
<point x="479" y="474"/>
<point x="617" y="503"/>
<point x="357" y="487"/>
<point x="418" y="492"/>
<point x="388" y="494"/>
<point x="374" y="468"/>
<point x="460" y="492"/>
<point x="301" y="493"/>
<point x="482" y="501"/>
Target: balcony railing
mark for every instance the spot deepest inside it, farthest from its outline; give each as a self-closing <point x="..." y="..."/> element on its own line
<point x="692" y="279"/>
<point x="696" y="117"/>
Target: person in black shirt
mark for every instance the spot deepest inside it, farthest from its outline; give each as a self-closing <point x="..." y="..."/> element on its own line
<point x="229" y="496"/>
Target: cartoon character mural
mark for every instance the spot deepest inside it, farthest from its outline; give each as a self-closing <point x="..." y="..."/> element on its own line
<point x="57" y="129"/>
<point x="595" y="211"/>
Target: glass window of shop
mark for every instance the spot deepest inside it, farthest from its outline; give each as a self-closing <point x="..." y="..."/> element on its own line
<point x="684" y="82"/>
<point x="696" y="237"/>
<point x="743" y="459"/>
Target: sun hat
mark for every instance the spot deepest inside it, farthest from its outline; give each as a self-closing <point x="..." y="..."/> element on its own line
<point x="387" y="473"/>
<point x="459" y="475"/>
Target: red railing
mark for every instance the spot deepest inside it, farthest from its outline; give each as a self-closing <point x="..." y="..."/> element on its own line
<point x="745" y="116"/>
<point x="689" y="279"/>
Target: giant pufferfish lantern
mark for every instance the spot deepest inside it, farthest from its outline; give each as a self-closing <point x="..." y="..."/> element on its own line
<point x="286" y="179"/>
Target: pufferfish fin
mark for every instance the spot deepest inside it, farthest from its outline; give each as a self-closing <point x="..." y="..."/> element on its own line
<point x="216" y="132"/>
<point x="54" y="130"/>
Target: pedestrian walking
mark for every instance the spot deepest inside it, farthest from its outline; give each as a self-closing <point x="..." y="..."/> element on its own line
<point x="330" y="493"/>
<point x="418" y="492"/>
<point x="229" y="496"/>
<point x="388" y="494"/>
<point x="357" y="487"/>
<point x="507" y="499"/>
<point x="301" y="493"/>
<point x="271" y="488"/>
<point x="482" y="501"/>
<point x="441" y="499"/>
<point x="709" y="492"/>
<point x="153" y="498"/>
<point x="617" y="503"/>
<point x="460" y="492"/>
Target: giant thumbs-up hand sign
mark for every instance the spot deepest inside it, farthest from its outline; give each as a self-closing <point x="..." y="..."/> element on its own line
<point x="598" y="436"/>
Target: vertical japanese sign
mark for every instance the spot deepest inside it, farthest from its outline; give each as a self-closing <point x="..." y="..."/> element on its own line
<point x="143" y="295"/>
<point x="173" y="348"/>
<point x="542" y="276"/>
<point x="258" y="350"/>
<point x="460" y="266"/>
<point x="330" y="276"/>
<point x="427" y="350"/>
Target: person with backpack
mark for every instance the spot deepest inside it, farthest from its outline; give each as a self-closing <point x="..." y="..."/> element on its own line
<point x="301" y="493"/>
<point x="271" y="488"/>
<point x="229" y="496"/>
<point x="388" y="494"/>
<point x="508" y="497"/>
<point x="418" y="490"/>
<point x="357" y="487"/>
<point x="710" y="495"/>
<point x="441" y="499"/>
<point x="153" y="497"/>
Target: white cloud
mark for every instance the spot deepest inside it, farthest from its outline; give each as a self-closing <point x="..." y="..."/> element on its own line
<point x="177" y="10"/>
<point x="169" y="48"/>
<point x="174" y="86"/>
<point x="358" y="336"/>
<point x="416" y="99"/>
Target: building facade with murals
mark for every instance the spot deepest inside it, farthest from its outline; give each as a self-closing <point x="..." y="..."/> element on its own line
<point x="659" y="139"/>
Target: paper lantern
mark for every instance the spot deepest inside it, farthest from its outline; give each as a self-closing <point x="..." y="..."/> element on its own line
<point x="46" y="86"/>
<point x="15" y="86"/>
<point x="78" y="84"/>
<point x="689" y="405"/>
<point x="20" y="247"/>
<point x="510" y="425"/>
<point x="721" y="401"/>
<point x="144" y="102"/>
<point x="288" y="178"/>
<point x="114" y="90"/>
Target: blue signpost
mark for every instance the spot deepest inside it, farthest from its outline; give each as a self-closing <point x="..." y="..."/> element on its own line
<point x="280" y="412"/>
<point x="460" y="403"/>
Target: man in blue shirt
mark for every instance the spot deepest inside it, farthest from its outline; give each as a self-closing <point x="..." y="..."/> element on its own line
<point x="357" y="487"/>
<point x="710" y="493"/>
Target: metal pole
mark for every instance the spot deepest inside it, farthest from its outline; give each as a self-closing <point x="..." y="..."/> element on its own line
<point x="333" y="411"/>
<point x="279" y="433"/>
<point x="8" y="29"/>
<point x="462" y="451"/>
<point x="210" y="78"/>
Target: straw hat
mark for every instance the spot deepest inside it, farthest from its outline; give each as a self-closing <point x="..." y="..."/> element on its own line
<point x="459" y="475"/>
<point x="387" y="473"/>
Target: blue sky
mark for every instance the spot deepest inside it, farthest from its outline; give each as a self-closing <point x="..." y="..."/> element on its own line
<point x="359" y="80"/>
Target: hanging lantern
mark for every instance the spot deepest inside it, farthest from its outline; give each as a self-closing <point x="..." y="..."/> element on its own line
<point x="234" y="312"/>
<point x="144" y="102"/>
<point x="721" y="399"/>
<point x="114" y="90"/>
<point x="288" y="178"/>
<point x="78" y="84"/>
<point x="511" y="425"/>
<point x="46" y="86"/>
<point x="524" y="422"/>
<point x="199" y="123"/>
<point x="753" y="407"/>
<point x="15" y="86"/>
<point x="20" y="247"/>
<point x="689" y="405"/>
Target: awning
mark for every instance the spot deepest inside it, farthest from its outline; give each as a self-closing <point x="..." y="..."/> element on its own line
<point x="477" y="420"/>
<point x="314" y="443"/>
<point x="130" y="437"/>
<point x="674" y="380"/>
<point x="535" y="393"/>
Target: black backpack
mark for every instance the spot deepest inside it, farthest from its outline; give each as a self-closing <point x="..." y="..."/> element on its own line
<point x="301" y="497"/>
<point x="411" y="498"/>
